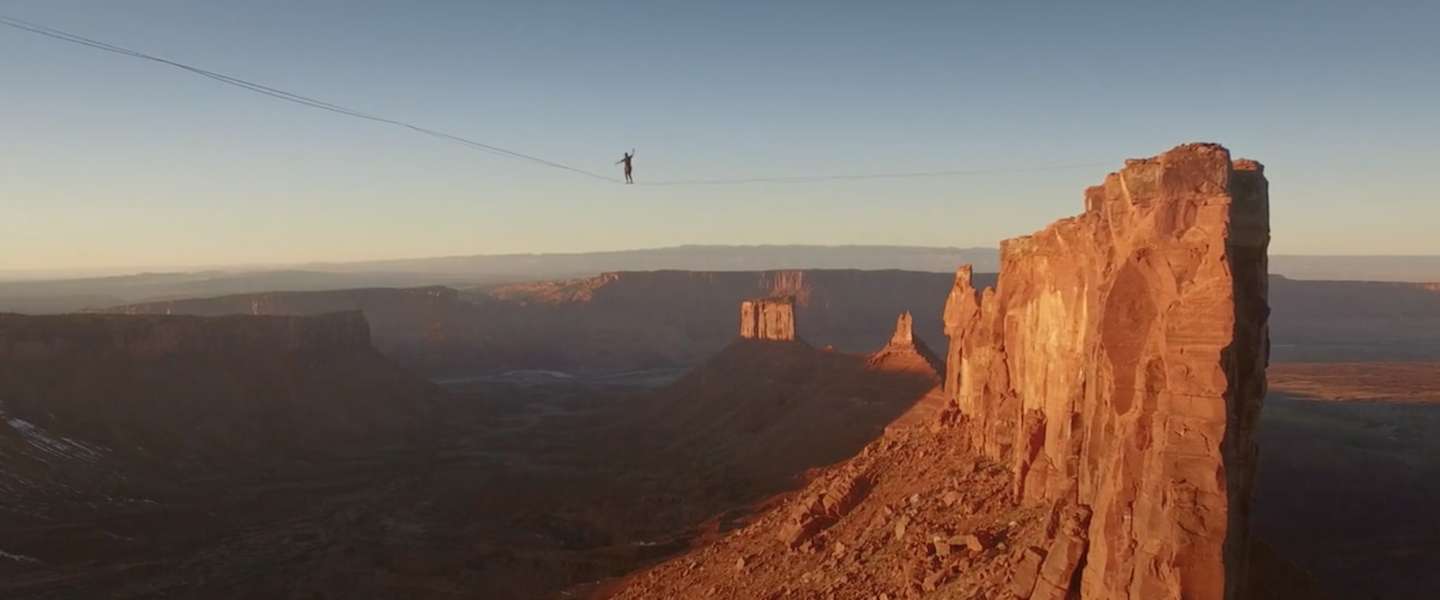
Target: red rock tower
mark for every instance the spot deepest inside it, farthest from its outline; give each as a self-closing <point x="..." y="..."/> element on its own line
<point x="905" y="352"/>
<point x="770" y="319"/>
<point x="1118" y="367"/>
<point x="1116" y="371"/>
<point x="904" y="330"/>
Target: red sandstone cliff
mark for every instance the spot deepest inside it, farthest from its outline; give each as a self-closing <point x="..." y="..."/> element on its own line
<point x="1119" y="366"/>
<point x="1098" y="442"/>
<point x="770" y="319"/>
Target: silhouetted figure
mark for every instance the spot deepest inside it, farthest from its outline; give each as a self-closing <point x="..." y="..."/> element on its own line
<point x="628" y="157"/>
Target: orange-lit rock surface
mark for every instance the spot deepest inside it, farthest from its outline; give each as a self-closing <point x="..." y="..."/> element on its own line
<point x="1119" y="365"/>
<point x="905" y="351"/>
<point x="1098" y="438"/>
<point x="768" y="319"/>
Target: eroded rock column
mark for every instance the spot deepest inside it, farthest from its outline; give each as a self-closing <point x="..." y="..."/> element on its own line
<point x="1118" y="367"/>
<point x="768" y="319"/>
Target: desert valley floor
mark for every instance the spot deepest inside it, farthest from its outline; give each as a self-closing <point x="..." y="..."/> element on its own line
<point x="591" y="493"/>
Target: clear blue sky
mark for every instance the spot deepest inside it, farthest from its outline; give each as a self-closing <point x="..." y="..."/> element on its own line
<point x="108" y="161"/>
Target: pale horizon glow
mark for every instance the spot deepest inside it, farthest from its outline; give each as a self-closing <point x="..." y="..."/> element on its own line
<point x="117" y="163"/>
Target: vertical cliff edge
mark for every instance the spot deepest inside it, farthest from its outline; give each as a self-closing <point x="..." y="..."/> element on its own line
<point x="768" y="319"/>
<point x="1095" y="435"/>
<point x="1118" y="369"/>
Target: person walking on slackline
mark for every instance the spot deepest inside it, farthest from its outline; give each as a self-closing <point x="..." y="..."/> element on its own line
<point x="628" y="157"/>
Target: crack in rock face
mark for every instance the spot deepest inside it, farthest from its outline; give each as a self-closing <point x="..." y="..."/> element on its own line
<point x="1119" y="365"/>
<point x="770" y="319"/>
<point x="1095" y="435"/>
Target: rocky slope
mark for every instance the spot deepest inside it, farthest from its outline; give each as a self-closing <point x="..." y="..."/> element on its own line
<point x="1120" y="365"/>
<point x="769" y="405"/>
<point x="1098" y="443"/>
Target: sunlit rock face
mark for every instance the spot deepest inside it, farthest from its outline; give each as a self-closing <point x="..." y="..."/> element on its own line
<point x="1118" y="368"/>
<point x="907" y="352"/>
<point x="768" y="319"/>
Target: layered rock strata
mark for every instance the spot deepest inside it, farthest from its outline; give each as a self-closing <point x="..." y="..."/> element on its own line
<point x="199" y="389"/>
<point x="768" y="319"/>
<point x="1118" y="369"/>
<point x="906" y="351"/>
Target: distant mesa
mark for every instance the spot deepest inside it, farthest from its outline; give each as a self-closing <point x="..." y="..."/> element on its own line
<point x="59" y="337"/>
<point x="587" y="323"/>
<point x="252" y="387"/>
<point x="771" y="319"/>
